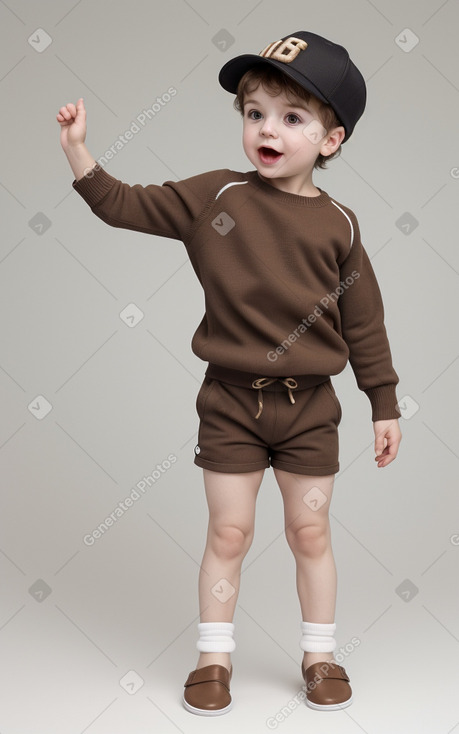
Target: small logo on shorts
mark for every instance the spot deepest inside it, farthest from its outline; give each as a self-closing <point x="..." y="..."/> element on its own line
<point x="197" y="450"/>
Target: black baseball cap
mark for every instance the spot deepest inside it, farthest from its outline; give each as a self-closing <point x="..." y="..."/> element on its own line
<point x="316" y="64"/>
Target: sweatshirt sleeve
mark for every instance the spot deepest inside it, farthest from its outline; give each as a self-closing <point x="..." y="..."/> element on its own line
<point x="363" y="329"/>
<point x="170" y="210"/>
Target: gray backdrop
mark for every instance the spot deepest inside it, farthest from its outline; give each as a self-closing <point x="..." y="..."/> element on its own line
<point x="98" y="381"/>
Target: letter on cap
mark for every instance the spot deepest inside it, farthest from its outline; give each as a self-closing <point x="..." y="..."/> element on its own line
<point x="284" y="51"/>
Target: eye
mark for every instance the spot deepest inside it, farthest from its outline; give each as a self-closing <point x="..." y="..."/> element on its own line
<point x="254" y="115"/>
<point x="292" y="119"/>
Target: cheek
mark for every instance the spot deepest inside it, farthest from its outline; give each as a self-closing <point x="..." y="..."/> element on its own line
<point x="313" y="134"/>
<point x="302" y="143"/>
<point x="299" y="134"/>
<point x="247" y="137"/>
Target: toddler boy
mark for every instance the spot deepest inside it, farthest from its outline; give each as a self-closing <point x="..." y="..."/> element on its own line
<point x="290" y="297"/>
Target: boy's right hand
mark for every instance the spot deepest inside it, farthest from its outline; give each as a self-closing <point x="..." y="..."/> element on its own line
<point x="72" y="120"/>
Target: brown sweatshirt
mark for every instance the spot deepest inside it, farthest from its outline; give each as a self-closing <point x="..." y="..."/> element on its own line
<point x="289" y="289"/>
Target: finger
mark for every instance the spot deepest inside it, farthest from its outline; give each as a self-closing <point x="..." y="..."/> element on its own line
<point x="68" y="112"/>
<point x="380" y="444"/>
<point x="382" y="459"/>
<point x="80" y="109"/>
<point x="393" y="449"/>
<point x="62" y="121"/>
<point x="388" y="455"/>
<point x="65" y="114"/>
<point x="385" y="462"/>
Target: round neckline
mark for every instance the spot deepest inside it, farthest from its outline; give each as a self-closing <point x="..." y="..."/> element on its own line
<point x="254" y="178"/>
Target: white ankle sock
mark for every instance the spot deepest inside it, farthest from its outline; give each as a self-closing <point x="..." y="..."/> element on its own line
<point x="216" y="637"/>
<point x="317" y="637"/>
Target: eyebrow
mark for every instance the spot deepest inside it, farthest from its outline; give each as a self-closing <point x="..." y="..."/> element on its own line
<point x="289" y="104"/>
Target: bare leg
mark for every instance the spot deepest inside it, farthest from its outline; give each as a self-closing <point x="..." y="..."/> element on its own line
<point x="231" y="499"/>
<point x="307" y="530"/>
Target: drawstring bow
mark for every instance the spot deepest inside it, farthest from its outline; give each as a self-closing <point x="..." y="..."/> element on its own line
<point x="262" y="382"/>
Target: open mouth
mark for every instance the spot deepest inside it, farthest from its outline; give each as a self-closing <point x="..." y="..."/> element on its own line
<point x="268" y="155"/>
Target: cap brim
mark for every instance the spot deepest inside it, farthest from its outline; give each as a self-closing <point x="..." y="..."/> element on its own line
<point x="233" y="71"/>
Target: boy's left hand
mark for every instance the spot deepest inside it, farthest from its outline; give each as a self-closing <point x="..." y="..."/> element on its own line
<point x="387" y="440"/>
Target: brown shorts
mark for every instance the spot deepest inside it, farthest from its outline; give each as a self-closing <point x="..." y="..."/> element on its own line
<point x="299" y="437"/>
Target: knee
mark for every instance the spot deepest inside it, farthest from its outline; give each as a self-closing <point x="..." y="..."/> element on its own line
<point x="309" y="540"/>
<point x="229" y="541"/>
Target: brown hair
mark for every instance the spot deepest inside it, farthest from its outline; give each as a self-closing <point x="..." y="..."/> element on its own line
<point x="275" y="82"/>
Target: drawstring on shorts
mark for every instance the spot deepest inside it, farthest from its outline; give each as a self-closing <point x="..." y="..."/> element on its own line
<point x="258" y="384"/>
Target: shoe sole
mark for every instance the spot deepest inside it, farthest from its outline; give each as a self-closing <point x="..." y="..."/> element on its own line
<point x="206" y="712"/>
<point x="329" y="707"/>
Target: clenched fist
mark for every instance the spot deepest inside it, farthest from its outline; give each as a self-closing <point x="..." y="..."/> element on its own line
<point x="72" y="120"/>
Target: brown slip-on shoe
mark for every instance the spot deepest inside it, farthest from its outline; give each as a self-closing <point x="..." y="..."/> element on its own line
<point x="327" y="686"/>
<point x="207" y="691"/>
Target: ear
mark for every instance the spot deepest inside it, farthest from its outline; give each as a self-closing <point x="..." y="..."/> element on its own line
<point x="332" y="140"/>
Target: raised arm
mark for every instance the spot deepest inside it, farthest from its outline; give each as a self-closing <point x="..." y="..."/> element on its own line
<point x="172" y="210"/>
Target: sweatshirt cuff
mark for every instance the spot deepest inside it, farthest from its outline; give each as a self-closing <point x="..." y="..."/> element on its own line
<point x="94" y="185"/>
<point x="383" y="401"/>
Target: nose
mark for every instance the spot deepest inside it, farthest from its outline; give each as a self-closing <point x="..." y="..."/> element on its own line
<point x="268" y="129"/>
